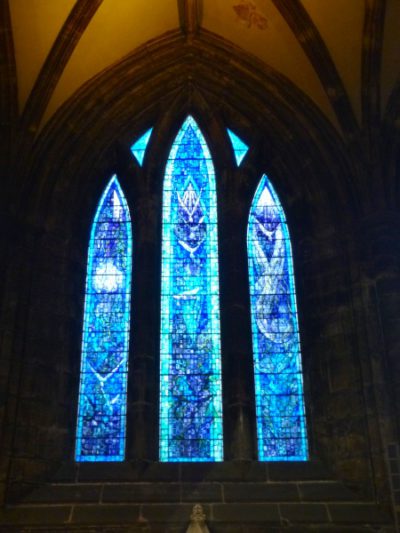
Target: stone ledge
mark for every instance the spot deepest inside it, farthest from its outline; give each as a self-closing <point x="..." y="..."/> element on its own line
<point x="105" y="514"/>
<point x="202" y="492"/>
<point x="224" y="471"/>
<point x="328" y="491"/>
<point x="216" y="528"/>
<point x="297" y="471"/>
<point x="142" y="492"/>
<point x="35" y="515"/>
<point x="209" y="491"/>
<point x="309" y="513"/>
<point x="170" y="513"/>
<point x="343" y="515"/>
<point x="246" y="513"/>
<point x="260" y="492"/>
<point x="65" y="494"/>
<point x="358" y="513"/>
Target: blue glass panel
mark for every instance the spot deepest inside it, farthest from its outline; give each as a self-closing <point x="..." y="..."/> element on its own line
<point x="138" y="149"/>
<point x="100" y="434"/>
<point x="239" y="147"/>
<point x="281" y="424"/>
<point x="191" y="398"/>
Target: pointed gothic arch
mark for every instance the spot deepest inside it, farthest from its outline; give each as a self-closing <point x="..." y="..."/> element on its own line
<point x="190" y="359"/>
<point x="100" y="432"/>
<point x="280" y="412"/>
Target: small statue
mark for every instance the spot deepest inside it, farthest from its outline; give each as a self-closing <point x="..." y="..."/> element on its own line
<point x="197" y="521"/>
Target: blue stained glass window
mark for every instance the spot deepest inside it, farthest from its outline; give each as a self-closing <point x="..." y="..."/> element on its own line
<point x="100" y="432"/>
<point x="190" y="368"/>
<point x="138" y="149"/>
<point x="239" y="147"/>
<point x="281" y="424"/>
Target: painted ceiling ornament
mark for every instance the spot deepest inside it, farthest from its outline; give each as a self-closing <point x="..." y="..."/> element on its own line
<point x="247" y="11"/>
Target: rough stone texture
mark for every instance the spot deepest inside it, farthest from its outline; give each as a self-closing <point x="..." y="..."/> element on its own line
<point x="142" y="492"/>
<point x="105" y="514"/>
<point x="343" y="214"/>
<point x="266" y="513"/>
<point x="308" y="514"/>
<point x="227" y="504"/>
<point x="258" y="492"/>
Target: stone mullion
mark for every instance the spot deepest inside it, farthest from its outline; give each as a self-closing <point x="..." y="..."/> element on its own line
<point x="143" y="379"/>
<point x="143" y="393"/>
<point x="237" y="366"/>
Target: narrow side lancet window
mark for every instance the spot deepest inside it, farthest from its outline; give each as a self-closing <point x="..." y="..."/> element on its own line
<point x="281" y="422"/>
<point x="100" y="434"/>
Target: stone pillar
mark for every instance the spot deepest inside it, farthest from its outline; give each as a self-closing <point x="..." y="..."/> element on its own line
<point x="377" y="311"/>
<point x="379" y="249"/>
<point x="238" y="381"/>
<point x="143" y="388"/>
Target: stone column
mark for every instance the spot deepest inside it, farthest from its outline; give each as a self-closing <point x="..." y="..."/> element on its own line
<point x="238" y="381"/>
<point x="143" y="390"/>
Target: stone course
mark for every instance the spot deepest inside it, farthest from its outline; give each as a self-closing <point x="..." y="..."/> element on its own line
<point x="244" y="496"/>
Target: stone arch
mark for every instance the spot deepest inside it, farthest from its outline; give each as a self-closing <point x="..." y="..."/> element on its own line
<point x="88" y="139"/>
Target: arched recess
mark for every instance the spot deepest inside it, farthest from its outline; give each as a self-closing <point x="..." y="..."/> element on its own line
<point x="281" y="423"/>
<point x="165" y="71"/>
<point x="101" y="423"/>
<point x="92" y="134"/>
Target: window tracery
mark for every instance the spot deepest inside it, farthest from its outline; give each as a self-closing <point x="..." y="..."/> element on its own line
<point x="190" y="358"/>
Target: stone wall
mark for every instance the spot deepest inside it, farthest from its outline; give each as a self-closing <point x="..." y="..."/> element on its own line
<point x="345" y="247"/>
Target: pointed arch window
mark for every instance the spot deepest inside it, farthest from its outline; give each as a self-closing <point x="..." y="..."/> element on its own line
<point x="190" y="367"/>
<point x="281" y="425"/>
<point x="100" y="434"/>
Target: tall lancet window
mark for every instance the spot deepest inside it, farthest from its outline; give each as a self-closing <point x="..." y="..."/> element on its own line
<point x="190" y="388"/>
<point x="281" y="424"/>
<point x="100" y="432"/>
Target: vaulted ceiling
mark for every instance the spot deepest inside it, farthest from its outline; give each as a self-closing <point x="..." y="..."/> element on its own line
<point x="330" y="49"/>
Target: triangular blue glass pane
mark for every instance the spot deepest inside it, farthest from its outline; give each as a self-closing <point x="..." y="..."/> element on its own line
<point x="138" y="149"/>
<point x="239" y="147"/>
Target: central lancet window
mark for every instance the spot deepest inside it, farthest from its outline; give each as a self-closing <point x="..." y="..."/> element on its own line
<point x="190" y="366"/>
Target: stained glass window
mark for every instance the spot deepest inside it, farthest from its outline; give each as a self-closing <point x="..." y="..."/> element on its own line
<point x="190" y="388"/>
<point x="281" y="424"/>
<point x="100" y="432"/>
<point x="138" y="149"/>
<point x="239" y="147"/>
